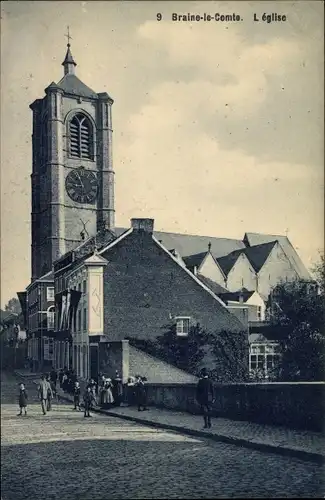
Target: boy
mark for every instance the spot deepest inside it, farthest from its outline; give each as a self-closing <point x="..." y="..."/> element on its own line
<point x="76" y="396"/>
<point x="22" y="399"/>
<point x="88" y="400"/>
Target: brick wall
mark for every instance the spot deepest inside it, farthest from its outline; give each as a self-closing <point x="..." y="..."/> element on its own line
<point x="144" y="290"/>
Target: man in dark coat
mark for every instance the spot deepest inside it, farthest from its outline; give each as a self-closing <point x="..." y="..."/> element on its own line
<point x="141" y="393"/>
<point x="53" y="377"/>
<point x="205" y="397"/>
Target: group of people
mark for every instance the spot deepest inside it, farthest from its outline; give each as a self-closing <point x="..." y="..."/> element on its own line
<point x="111" y="392"/>
<point x="105" y="392"/>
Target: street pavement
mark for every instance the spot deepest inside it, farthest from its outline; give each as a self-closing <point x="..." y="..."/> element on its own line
<point x="65" y="456"/>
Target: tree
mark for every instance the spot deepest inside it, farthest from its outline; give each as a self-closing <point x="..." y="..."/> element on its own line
<point x="318" y="270"/>
<point x="230" y="351"/>
<point x="184" y="352"/>
<point x="299" y="307"/>
<point x="13" y="306"/>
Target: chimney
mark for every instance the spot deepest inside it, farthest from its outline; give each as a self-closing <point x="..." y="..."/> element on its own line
<point x="144" y="225"/>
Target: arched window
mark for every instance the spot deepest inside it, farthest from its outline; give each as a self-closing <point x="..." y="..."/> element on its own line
<point x="50" y="318"/>
<point x="81" y="137"/>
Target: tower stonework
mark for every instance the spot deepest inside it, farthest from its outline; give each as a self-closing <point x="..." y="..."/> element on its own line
<point x="72" y="177"/>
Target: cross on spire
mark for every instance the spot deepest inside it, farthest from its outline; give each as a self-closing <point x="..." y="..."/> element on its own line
<point x="68" y="36"/>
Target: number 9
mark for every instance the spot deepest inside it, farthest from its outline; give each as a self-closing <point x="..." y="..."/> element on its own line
<point x="159" y="17"/>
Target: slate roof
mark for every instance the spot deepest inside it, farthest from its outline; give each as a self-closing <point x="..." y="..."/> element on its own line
<point x="214" y="287"/>
<point x="195" y="260"/>
<point x="71" y="84"/>
<point x="190" y="244"/>
<point x="235" y="296"/>
<point x="256" y="255"/>
<point x="257" y="239"/>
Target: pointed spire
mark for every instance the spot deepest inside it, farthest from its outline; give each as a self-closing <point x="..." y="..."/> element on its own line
<point x="69" y="63"/>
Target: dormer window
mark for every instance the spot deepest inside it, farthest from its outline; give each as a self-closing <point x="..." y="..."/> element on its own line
<point x="81" y="137"/>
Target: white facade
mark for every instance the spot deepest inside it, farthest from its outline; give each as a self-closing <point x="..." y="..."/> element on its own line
<point x="87" y="279"/>
<point x="241" y="275"/>
<point x="276" y="269"/>
<point x="211" y="269"/>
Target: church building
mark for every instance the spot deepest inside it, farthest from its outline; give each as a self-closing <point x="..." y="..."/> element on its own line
<point x="93" y="285"/>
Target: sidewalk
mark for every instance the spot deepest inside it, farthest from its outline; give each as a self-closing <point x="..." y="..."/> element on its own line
<point x="305" y="445"/>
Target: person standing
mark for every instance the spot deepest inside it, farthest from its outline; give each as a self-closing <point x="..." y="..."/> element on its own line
<point x="117" y="389"/>
<point x="44" y="389"/>
<point x="53" y="377"/>
<point x="22" y="400"/>
<point x="88" y="401"/>
<point x="141" y="394"/>
<point x="61" y="373"/>
<point x="205" y="397"/>
<point x="102" y="381"/>
<point x="76" y="396"/>
<point x="50" y="393"/>
<point x="107" y="393"/>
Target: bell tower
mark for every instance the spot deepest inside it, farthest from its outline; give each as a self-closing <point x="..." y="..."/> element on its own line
<point x="72" y="175"/>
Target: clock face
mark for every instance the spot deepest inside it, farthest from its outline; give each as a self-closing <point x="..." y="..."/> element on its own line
<point x="82" y="185"/>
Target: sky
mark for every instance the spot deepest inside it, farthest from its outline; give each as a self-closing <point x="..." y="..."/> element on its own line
<point x="218" y="126"/>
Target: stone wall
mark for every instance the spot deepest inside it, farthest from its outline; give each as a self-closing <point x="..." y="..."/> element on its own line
<point x="295" y="405"/>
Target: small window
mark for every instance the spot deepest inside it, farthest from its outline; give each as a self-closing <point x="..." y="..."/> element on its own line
<point x="50" y="318"/>
<point x="84" y="286"/>
<point x="50" y="293"/>
<point x="259" y="313"/>
<point x="79" y="321"/>
<point x="182" y="326"/>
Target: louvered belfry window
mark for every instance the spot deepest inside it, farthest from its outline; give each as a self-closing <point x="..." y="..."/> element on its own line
<point x="81" y="137"/>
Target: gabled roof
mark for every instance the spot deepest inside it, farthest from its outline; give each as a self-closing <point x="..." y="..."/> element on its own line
<point x="213" y="285"/>
<point x="256" y="255"/>
<point x="235" y="296"/>
<point x="71" y="84"/>
<point x="190" y="244"/>
<point x="251" y="239"/>
<point x="228" y="261"/>
<point x="195" y="260"/>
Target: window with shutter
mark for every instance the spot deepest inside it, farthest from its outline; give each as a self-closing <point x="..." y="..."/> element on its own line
<point x="81" y="140"/>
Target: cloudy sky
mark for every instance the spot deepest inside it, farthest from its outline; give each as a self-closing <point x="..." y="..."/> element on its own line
<point x="218" y="127"/>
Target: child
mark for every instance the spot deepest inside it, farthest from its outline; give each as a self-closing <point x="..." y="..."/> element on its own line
<point x="88" y="400"/>
<point x="22" y="400"/>
<point x="76" y="396"/>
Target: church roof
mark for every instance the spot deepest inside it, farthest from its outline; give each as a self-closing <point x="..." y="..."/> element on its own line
<point x="71" y="84"/>
<point x="228" y="261"/>
<point x="195" y="260"/>
<point x="68" y="57"/>
<point x="189" y="244"/>
<point x="257" y="238"/>
<point x="256" y="255"/>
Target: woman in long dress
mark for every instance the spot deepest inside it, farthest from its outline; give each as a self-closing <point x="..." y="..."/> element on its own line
<point x="107" y="393"/>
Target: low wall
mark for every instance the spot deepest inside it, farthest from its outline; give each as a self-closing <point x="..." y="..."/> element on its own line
<point x="294" y="405"/>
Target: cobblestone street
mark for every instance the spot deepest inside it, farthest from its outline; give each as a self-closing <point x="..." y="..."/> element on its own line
<point x="64" y="456"/>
